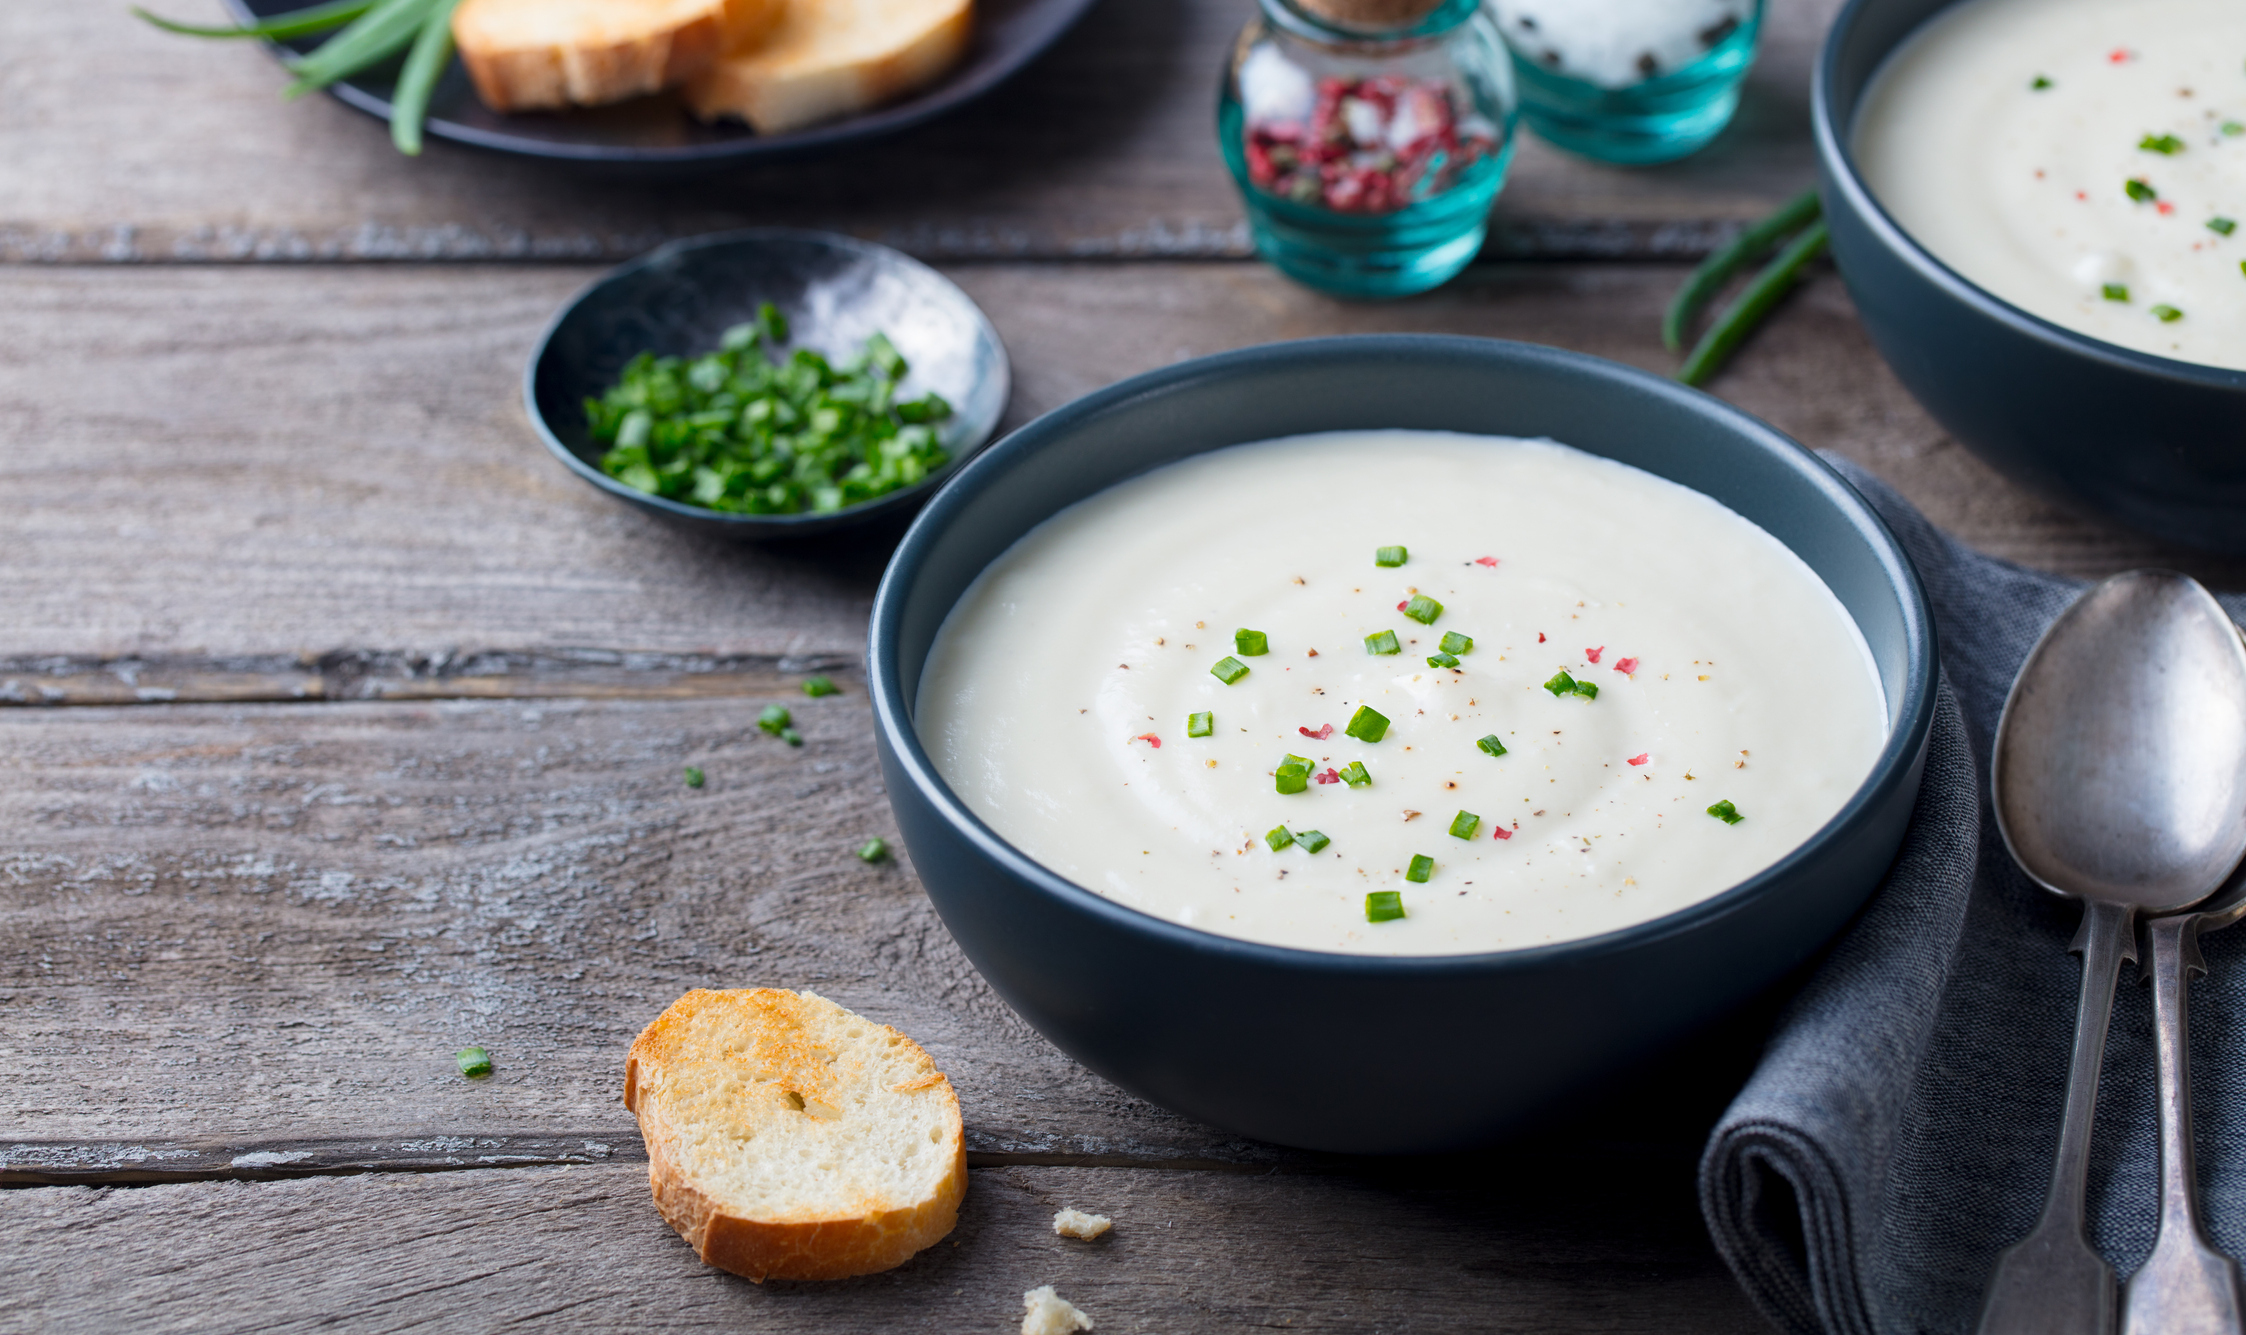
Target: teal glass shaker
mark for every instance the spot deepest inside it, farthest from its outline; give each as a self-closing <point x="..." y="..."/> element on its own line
<point x="1630" y="81"/>
<point x="1368" y="138"/>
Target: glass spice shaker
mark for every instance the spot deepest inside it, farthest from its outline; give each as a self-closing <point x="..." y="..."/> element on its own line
<point x="1630" y="81"/>
<point x="1368" y="138"/>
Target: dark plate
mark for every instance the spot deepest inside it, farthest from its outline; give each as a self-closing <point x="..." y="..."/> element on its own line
<point x="680" y="298"/>
<point x="658" y="131"/>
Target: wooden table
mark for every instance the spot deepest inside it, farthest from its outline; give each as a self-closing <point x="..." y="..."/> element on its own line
<point x="352" y="727"/>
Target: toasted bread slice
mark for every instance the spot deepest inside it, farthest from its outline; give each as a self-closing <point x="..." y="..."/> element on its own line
<point x="527" y="55"/>
<point x="829" y="58"/>
<point x="790" y="1139"/>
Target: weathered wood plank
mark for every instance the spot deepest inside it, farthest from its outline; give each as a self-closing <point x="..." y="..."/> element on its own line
<point x="347" y="446"/>
<point x="1486" y="1247"/>
<point x="120" y="143"/>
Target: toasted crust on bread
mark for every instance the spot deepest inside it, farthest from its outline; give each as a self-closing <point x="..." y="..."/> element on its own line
<point x="833" y="58"/>
<point x="790" y="1139"/>
<point x="527" y="55"/>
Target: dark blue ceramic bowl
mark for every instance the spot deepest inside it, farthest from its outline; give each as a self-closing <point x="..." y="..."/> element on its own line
<point x="1355" y="1053"/>
<point x="2157" y="444"/>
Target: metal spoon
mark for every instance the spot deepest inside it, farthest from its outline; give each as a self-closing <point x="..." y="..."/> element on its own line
<point x="2120" y="780"/>
<point x="2186" y="1287"/>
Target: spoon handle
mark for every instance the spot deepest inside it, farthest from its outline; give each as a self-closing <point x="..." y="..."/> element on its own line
<point x="2186" y="1286"/>
<point x="2053" y="1282"/>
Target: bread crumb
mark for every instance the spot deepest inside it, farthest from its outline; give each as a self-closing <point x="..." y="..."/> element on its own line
<point x="1045" y="1312"/>
<point x="1074" y="1223"/>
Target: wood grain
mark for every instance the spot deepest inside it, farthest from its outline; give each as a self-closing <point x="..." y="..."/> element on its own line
<point x="346" y="445"/>
<point x="1499" y="1248"/>
<point x="178" y="150"/>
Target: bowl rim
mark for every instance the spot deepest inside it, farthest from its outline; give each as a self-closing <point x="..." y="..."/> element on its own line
<point x="1910" y="722"/>
<point x="1837" y="156"/>
<point x="804" y="522"/>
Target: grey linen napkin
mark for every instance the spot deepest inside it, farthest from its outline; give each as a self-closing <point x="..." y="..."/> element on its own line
<point x="1899" y="1131"/>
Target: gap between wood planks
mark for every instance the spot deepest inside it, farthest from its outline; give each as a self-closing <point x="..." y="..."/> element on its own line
<point x="368" y="674"/>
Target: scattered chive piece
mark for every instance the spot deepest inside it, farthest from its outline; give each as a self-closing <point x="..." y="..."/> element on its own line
<point x="1367" y="724"/>
<point x="1229" y="670"/>
<point x="791" y="736"/>
<point x="2040" y="83"/>
<point x="2116" y="291"/>
<point x="2167" y="145"/>
<point x="1726" y="812"/>
<point x="1492" y="745"/>
<point x="1717" y="269"/>
<point x="2167" y="313"/>
<point x="2136" y="189"/>
<point x="2222" y="226"/>
<point x="1442" y="660"/>
<point x="1292" y="778"/>
<point x="1383" y="643"/>
<point x="1304" y="761"/>
<point x="1311" y="840"/>
<point x="1455" y="643"/>
<point x="475" y="1063"/>
<point x="1278" y="837"/>
<point x="1761" y="296"/>
<point x="818" y="686"/>
<point x="2234" y="128"/>
<point x="1201" y="724"/>
<point x="774" y="719"/>
<point x="1587" y="690"/>
<point x="693" y="777"/>
<point x="1356" y="775"/>
<point x="1422" y="867"/>
<point x="873" y="850"/>
<point x="1464" y="824"/>
<point x="1561" y="684"/>
<point x="1251" y="643"/>
<point x="1383" y="906"/>
<point x="1423" y="609"/>
<point x="1388" y="556"/>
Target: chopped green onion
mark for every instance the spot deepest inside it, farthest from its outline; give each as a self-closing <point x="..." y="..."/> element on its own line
<point x="791" y="736"/>
<point x="1717" y="269"/>
<point x="1561" y="685"/>
<point x="2167" y="145"/>
<point x="873" y="850"/>
<point x="1201" y="724"/>
<point x="1383" y="643"/>
<point x="2115" y="291"/>
<point x="693" y="777"/>
<point x="1422" y="867"/>
<point x="818" y="686"/>
<point x="1726" y="812"/>
<point x="1356" y="775"/>
<point x="1304" y="761"/>
<point x="1492" y="745"/>
<point x="1383" y="906"/>
<point x="1389" y="556"/>
<point x="1755" y="301"/>
<point x="1455" y="643"/>
<point x="2222" y="226"/>
<point x="1367" y="724"/>
<point x="279" y="28"/>
<point x="2167" y="313"/>
<point x="1587" y="690"/>
<point x="1423" y="609"/>
<point x="1278" y="837"/>
<point x="474" y="1063"/>
<point x="1229" y="670"/>
<point x="1292" y="778"/>
<point x="2234" y="128"/>
<point x="1311" y="840"/>
<point x="1251" y="643"/>
<point x="1442" y="660"/>
<point x="2136" y="188"/>
<point x="774" y="719"/>
<point x="1464" y="824"/>
<point x="2040" y="83"/>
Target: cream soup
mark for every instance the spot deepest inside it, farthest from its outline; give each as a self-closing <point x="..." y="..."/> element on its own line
<point x="2085" y="160"/>
<point x="1709" y="667"/>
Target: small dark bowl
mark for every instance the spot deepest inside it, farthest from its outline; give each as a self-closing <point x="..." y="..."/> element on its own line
<point x="1362" y="1053"/>
<point x="836" y="291"/>
<point x="2155" y="443"/>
